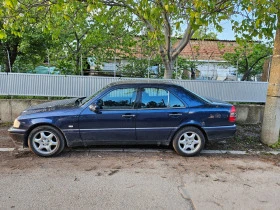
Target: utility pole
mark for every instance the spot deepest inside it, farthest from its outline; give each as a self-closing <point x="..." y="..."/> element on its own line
<point x="271" y="120"/>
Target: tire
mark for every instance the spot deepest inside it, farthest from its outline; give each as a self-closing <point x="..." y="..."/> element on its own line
<point x="46" y="141"/>
<point x="188" y="141"/>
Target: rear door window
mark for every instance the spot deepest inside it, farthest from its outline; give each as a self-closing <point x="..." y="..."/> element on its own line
<point x="159" y="98"/>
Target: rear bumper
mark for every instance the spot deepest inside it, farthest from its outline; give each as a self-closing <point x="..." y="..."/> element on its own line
<point x="18" y="136"/>
<point x="220" y="132"/>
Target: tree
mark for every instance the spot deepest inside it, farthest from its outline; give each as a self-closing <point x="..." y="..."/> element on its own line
<point x="163" y="18"/>
<point x="248" y="58"/>
<point x="9" y="48"/>
<point x="160" y="19"/>
<point x="30" y="48"/>
<point x="87" y="34"/>
<point x="21" y="43"/>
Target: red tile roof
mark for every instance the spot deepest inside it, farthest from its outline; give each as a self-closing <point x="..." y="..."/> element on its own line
<point x="208" y="49"/>
<point x="200" y="50"/>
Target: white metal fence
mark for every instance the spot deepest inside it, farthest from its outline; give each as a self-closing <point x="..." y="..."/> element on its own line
<point x="75" y="86"/>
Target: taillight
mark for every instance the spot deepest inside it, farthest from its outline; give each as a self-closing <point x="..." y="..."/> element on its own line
<point x="232" y="114"/>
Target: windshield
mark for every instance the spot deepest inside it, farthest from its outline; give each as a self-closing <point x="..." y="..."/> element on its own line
<point x="85" y="100"/>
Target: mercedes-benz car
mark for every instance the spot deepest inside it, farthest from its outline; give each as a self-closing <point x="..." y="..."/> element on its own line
<point x="126" y="113"/>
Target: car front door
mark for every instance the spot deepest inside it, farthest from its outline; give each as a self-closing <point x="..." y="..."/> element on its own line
<point x="115" y="120"/>
<point x="159" y="113"/>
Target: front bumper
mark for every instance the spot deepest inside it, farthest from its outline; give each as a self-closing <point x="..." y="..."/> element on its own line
<point x="18" y="136"/>
<point x="220" y="132"/>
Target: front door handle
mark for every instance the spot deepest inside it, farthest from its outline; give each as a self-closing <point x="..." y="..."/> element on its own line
<point x="128" y="115"/>
<point x="175" y="114"/>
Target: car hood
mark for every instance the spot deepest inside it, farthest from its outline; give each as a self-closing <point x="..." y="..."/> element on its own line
<point x="53" y="105"/>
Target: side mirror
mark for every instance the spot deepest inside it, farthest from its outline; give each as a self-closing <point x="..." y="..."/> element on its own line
<point x="95" y="108"/>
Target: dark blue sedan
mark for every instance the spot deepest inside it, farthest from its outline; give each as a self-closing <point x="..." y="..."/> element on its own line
<point x="126" y="113"/>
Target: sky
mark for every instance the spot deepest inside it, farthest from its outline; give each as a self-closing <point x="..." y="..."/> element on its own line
<point x="227" y="33"/>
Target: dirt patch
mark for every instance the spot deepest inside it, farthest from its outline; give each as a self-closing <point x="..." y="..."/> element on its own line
<point x="247" y="138"/>
<point x="111" y="163"/>
<point x="5" y="139"/>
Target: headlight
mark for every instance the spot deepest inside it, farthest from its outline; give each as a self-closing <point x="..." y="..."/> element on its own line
<point x="16" y="123"/>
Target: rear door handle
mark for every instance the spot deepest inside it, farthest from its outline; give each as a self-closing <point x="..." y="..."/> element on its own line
<point x="175" y="114"/>
<point x="128" y="115"/>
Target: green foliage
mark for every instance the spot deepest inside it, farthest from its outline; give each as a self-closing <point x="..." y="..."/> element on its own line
<point x="105" y="29"/>
<point x="249" y="58"/>
<point x="203" y="33"/>
<point x="65" y="67"/>
<point x="140" y="68"/>
<point x="74" y="31"/>
<point x="163" y="19"/>
<point x="259" y="19"/>
<point x="25" y="52"/>
<point x="276" y="145"/>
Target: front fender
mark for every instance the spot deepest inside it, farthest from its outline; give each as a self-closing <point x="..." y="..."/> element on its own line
<point x="71" y="134"/>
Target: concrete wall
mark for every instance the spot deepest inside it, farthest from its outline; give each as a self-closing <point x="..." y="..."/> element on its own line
<point x="11" y="108"/>
<point x="249" y="113"/>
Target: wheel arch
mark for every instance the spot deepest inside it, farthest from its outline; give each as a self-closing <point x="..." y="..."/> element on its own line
<point x="188" y="125"/>
<point x="25" y="143"/>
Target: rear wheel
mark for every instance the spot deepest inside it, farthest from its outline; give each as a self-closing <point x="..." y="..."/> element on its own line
<point x="46" y="141"/>
<point x="188" y="141"/>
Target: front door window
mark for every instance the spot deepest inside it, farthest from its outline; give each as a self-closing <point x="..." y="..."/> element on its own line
<point x="123" y="98"/>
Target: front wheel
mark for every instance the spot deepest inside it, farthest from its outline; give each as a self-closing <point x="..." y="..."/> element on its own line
<point x="188" y="141"/>
<point x="46" y="141"/>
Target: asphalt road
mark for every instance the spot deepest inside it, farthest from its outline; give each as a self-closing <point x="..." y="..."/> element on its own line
<point x="134" y="180"/>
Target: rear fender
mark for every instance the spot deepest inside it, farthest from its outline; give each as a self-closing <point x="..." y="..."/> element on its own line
<point x="186" y="124"/>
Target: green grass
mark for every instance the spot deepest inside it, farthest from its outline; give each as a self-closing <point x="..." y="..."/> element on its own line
<point x="276" y="145"/>
<point x="6" y="124"/>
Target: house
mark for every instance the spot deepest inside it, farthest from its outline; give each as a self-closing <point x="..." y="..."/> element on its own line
<point x="206" y="54"/>
<point x="208" y="57"/>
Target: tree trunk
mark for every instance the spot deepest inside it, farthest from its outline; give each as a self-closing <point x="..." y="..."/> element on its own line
<point x="11" y="58"/>
<point x="169" y="65"/>
<point x="192" y="73"/>
<point x="266" y="69"/>
<point x="77" y="64"/>
<point x="271" y="120"/>
<point x="245" y="77"/>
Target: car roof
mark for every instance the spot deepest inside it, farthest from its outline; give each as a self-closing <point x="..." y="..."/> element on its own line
<point x="143" y="82"/>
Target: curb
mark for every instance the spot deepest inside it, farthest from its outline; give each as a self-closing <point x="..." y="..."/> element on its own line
<point x="6" y="149"/>
<point x="231" y="152"/>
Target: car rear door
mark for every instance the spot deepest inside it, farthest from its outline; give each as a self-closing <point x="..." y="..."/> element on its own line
<point x="160" y="112"/>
